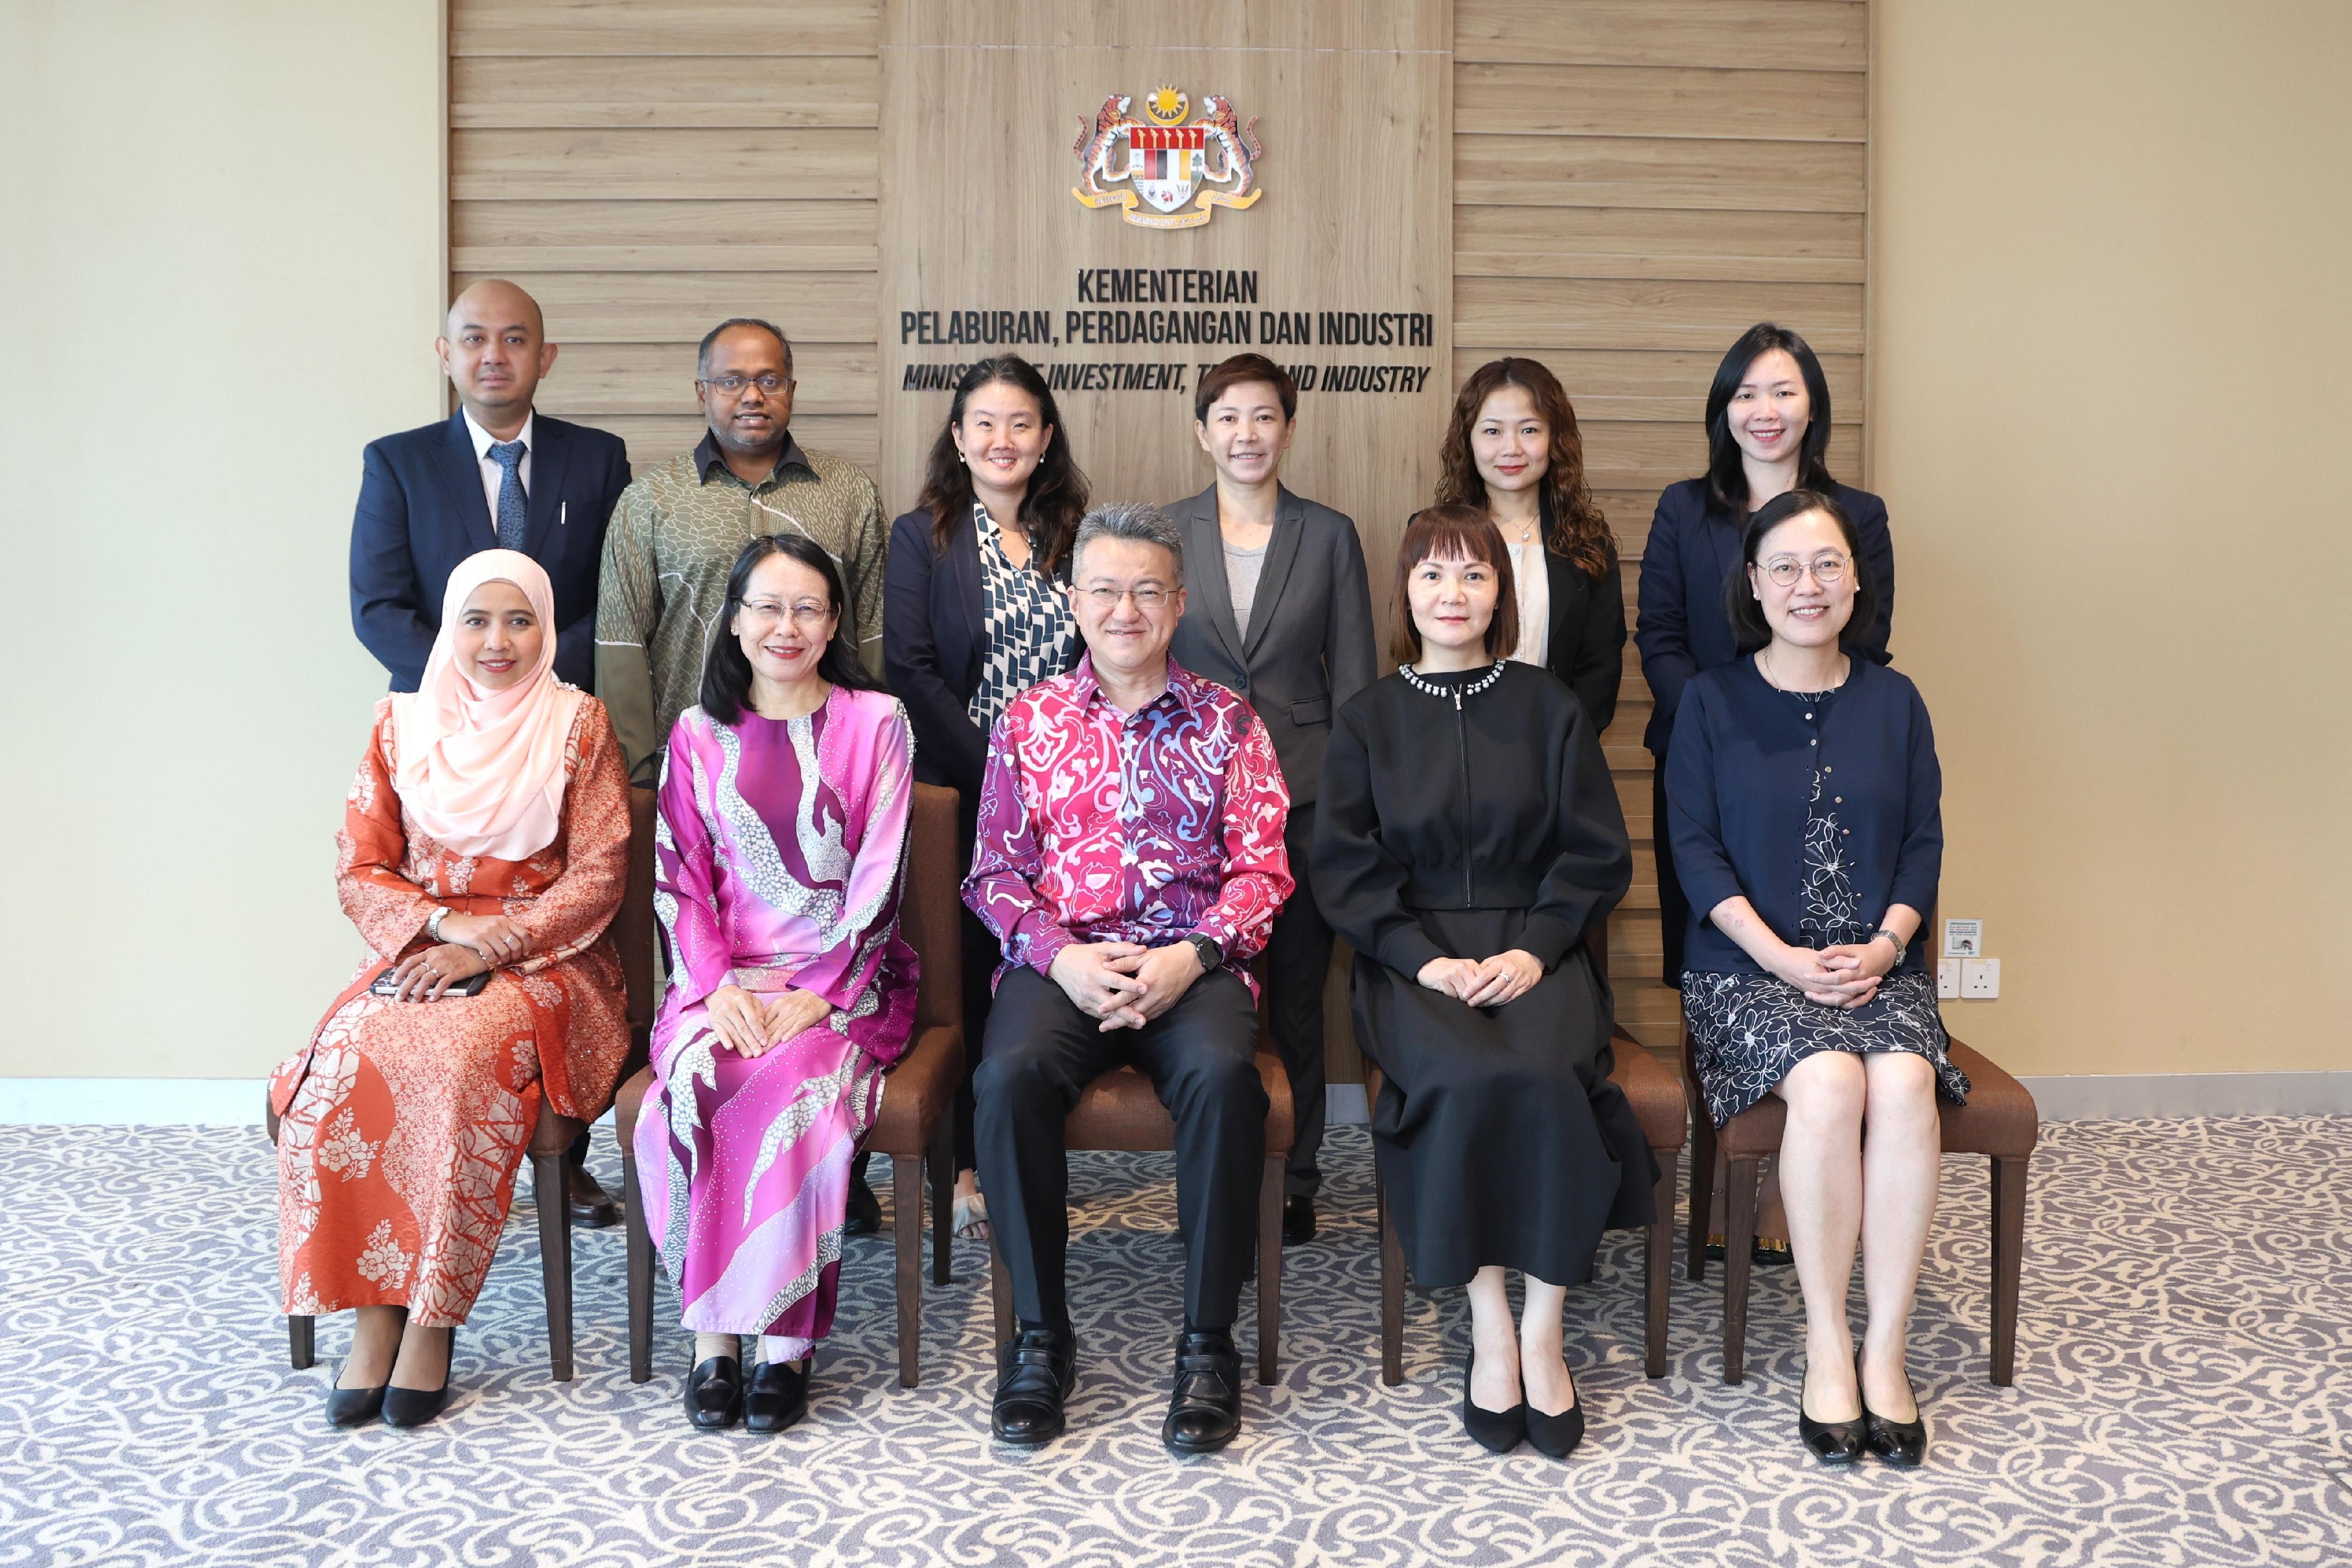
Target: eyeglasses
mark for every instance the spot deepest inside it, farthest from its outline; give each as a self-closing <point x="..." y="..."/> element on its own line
<point x="1829" y="571"/>
<point x="807" y="614"/>
<point x="733" y="385"/>
<point x="1106" y="599"/>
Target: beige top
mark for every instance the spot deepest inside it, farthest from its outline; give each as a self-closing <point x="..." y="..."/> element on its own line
<point x="1533" y="580"/>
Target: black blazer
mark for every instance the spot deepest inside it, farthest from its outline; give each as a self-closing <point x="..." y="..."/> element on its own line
<point x="422" y="511"/>
<point x="1740" y="778"/>
<point x="1691" y="553"/>
<point x="1310" y="647"/>
<point x="935" y="646"/>
<point x="1585" y="645"/>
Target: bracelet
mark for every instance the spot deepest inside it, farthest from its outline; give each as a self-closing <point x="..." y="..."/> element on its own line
<point x="1901" y="947"/>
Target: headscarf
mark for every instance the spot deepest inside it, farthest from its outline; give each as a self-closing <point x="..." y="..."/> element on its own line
<point x="483" y="771"/>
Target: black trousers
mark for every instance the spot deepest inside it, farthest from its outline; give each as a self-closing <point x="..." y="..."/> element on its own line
<point x="1673" y="908"/>
<point x="1199" y="1055"/>
<point x="1298" y="961"/>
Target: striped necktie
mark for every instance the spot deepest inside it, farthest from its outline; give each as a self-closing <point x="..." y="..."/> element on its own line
<point x="507" y="454"/>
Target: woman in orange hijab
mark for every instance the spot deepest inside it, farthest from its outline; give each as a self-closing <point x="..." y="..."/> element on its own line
<point x="484" y="852"/>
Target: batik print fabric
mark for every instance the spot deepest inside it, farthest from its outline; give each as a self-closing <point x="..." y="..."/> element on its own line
<point x="1100" y="826"/>
<point x="781" y="854"/>
<point x="403" y="1123"/>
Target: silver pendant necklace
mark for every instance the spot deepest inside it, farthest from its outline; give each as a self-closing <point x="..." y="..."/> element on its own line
<point x="1412" y="678"/>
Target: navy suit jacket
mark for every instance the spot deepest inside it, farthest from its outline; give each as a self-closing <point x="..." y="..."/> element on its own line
<point x="422" y="511"/>
<point x="1691" y="553"/>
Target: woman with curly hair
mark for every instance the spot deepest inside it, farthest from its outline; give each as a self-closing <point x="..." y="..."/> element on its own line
<point x="1512" y="450"/>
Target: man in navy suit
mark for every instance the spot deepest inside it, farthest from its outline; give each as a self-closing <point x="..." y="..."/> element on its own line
<point x="493" y="475"/>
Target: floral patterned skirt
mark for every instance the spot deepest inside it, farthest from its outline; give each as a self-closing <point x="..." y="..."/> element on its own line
<point x="1749" y="1031"/>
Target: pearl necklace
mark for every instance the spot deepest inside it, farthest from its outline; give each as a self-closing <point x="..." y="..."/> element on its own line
<point x="1412" y="678"/>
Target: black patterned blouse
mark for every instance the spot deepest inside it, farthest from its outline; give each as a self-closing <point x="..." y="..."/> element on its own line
<point x="1027" y="620"/>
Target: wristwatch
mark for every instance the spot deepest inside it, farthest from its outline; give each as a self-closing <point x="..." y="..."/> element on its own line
<point x="433" y="924"/>
<point x="1901" y="947"/>
<point x="1211" y="954"/>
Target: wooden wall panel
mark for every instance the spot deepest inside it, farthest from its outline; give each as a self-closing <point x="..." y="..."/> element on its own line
<point x="647" y="168"/>
<point x="1637" y="181"/>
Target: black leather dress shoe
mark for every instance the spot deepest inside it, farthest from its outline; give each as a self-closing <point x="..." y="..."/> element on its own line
<point x="354" y="1406"/>
<point x="865" y="1217"/>
<point x="778" y="1396"/>
<point x="1496" y="1431"/>
<point x="589" y="1206"/>
<point x="1298" y="1219"/>
<point x="1903" y="1444"/>
<point x="1205" y="1411"/>
<point x="714" y="1393"/>
<point x="1832" y="1442"/>
<point x="1036" y="1369"/>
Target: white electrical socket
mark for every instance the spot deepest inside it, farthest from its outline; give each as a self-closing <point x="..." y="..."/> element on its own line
<point x="1947" y="980"/>
<point x="1980" y="978"/>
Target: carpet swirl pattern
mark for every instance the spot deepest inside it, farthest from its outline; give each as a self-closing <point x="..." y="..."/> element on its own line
<point x="2183" y="1394"/>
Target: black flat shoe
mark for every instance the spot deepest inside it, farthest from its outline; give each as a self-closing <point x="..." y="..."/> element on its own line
<point x="1205" y="1411"/>
<point x="1036" y="1369"/>
<point x="1297" y="1220"/>
<point x="415" y="1406"/>
<point x="777" y="1397"/>
<point x="1557" y="1436"/>
<point x="354" y="1406"/>
<point x="1835" y="1443"/>
<point x="714" y="1393"/>
<point x="865" y="1216"/>
<point x="1903" y="1444"/>
<point x="1496" y="1431"/>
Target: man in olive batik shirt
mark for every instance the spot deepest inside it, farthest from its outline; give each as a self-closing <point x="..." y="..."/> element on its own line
<point x="679" y="526"/>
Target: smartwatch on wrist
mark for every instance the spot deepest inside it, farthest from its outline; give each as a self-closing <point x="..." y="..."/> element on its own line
<point x="1901" y="947"/>
<point x="1212" y="955"/>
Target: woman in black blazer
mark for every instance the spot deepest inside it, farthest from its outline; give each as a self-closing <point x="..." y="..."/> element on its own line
<point x="1803" y="804"/>
<point x="974" y="613"/>
<point x="1768" y="433"/>
<point x="1512" y="450"/>
<point x="1278" y="611"/>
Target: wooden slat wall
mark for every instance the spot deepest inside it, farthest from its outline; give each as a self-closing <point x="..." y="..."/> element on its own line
<point x="1637" y="181"/>
<point x="648" y="169"/>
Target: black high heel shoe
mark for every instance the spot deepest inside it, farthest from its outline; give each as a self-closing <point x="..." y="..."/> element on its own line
<point x="415" y="1406"/>
<point x="1903" y="1444"/>
<point x="1557" y="1436"/>
<point x="354" y="1406"/>
<point x="1496" y="1431"/>
<point x="1837" y="1443"/>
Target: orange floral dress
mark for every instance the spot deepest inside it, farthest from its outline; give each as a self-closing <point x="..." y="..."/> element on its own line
<point x="403" y="1123"/>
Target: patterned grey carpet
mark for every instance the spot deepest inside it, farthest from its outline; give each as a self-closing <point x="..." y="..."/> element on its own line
<point x="2184" y="1395"/>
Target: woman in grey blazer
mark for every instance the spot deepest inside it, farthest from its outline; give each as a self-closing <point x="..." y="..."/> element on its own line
<point x="1279" y="613"/>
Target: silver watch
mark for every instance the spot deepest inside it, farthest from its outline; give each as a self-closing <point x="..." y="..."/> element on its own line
<point x="433" y="924"/>
<point x="1901" y="947"/>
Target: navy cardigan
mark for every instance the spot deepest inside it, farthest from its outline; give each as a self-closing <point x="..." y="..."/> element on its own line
<point x="1689" y="555"/>
<point x="1739" y="777"/>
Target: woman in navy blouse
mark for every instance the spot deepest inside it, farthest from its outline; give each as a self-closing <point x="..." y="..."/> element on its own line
<point x="1768" y="433"/>
<point x="975" y="613"/>
<point x="1803" y="801"/>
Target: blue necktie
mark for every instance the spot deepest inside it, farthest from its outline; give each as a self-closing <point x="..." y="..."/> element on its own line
<point x="507" y="454"/>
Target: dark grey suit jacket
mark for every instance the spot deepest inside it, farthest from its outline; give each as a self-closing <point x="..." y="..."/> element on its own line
<point x="1310" y="647"/>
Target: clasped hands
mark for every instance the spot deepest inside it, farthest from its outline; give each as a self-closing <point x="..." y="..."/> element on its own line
<point x="751" y="1025"/>
<point x="469" y="944"/>
<point x="1845" y="976"/>
<point x="1125" y="984"/>
<point x="1483" y="982"/>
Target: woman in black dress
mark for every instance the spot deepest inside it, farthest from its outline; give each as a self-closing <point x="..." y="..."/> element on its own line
<point x="975" y="612"/>
<point x="1513" y="451"/>
<point x="1501" y="1140"/>
<point x="1803" y="798"/>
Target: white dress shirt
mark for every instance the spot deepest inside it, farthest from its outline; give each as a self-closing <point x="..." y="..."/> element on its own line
<point x="492" y="475"/>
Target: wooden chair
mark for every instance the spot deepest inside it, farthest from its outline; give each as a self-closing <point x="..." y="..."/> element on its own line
<point x="1120" y="1111"/>
<point x="555" y="1133"/>
<point x="913" y="1125"/>
<point x="1999" y="1122"/>
<point x="1658" y="1103"/>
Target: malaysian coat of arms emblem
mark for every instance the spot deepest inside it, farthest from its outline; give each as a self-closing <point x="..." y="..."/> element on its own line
<point x="1163" y="162"/>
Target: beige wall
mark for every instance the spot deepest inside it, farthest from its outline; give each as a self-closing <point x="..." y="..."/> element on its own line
<point x="219" y="247"/>
<point x="2107" y="297"/>
<point x="2109" y="337"/>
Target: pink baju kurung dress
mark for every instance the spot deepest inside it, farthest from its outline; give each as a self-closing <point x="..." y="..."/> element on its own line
<point x="781" y="852"/>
